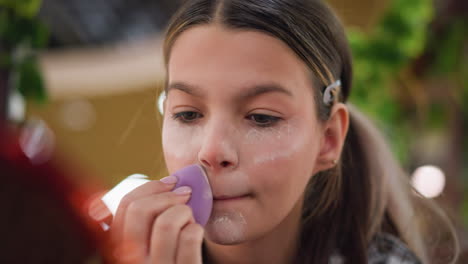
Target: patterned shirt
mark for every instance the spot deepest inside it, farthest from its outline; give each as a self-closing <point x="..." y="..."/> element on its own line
<point x="385" y="249"/>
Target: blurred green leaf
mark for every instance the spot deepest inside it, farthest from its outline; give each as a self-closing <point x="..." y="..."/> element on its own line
<point x="21" y="35"/>
<point x="23" y="8"/>
<point x="40" y="36"/>
<point x="437" y="116"/>
<point x="20" y="31"/>
<point x="380" y="56"/>
<point x="5" y="60"/>
<point x="465" y="208"/>
<point x="30" y="82"/>
<point x="451" y="47"/>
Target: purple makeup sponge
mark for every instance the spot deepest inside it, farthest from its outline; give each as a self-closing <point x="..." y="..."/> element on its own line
<point x="201" y="200"/>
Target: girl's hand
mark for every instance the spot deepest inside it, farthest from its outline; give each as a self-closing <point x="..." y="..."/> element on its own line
<point x="153" y="225"/>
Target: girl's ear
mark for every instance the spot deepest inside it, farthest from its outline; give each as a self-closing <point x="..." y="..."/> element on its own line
<point x="334" y="135"/>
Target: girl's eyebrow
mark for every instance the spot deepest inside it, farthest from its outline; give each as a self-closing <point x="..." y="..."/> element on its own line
<point x="186" y="88"/>
<point x="260" y="89"/>
<point x="253" y="91"/>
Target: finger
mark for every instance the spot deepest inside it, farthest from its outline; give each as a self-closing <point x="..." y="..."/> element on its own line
<point x="152" y="187"/>
<point x="98" y="211"/>
<point x="190" y="242"/>
<point x="165" y="233"/>
<point x="142" y="213"/>
<point x="128" y="253"/>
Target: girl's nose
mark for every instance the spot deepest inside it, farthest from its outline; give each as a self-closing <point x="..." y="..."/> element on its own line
<point x="218" y="150"/>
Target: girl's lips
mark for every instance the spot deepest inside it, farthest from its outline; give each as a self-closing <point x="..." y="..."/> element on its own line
<point x="230" y="198"/>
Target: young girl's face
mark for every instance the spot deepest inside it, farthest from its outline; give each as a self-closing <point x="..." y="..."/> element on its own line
<point x="241" y="104"/>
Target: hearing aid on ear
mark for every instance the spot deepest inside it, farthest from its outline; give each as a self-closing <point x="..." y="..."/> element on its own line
<point x="201" y="200"/>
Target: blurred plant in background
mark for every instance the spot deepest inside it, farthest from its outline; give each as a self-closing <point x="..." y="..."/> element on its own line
<point x="379" y="58"/>
<point x="21" y="35"/>
<point x="411" y="76"/>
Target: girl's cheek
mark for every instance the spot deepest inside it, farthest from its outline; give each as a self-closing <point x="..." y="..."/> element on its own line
<point x="180" y="143"/>
<point x="269" y="145"/>
<point x="281" y="159"/>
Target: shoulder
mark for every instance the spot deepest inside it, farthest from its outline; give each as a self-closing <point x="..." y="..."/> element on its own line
<point x="388" y="249"/>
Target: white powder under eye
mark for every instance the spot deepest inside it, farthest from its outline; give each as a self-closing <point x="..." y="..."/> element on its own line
<point x="253" y="136"/>
<point x="181" y="141"/>
<point x="279" y="137"/>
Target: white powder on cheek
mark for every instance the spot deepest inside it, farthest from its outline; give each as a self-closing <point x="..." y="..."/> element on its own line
<point x="253" y="136"/>
<point x="272" y="156"/>
<point x="227" y="227"/>
<point x="181" y="142"/>
<point x="280" y="143"/>
<point x="258" y="135"/>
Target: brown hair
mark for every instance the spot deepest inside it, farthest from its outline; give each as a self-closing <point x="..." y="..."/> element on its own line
<point x="367" y="192"/>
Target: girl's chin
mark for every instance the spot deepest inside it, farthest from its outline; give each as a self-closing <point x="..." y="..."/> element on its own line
<point x="219" y="239"/>
<point x="226" y="227"/>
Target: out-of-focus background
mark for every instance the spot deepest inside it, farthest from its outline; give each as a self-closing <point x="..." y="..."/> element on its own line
<point x="94" y="72"/>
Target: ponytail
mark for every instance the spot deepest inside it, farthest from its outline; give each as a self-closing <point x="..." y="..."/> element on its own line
<point x="368" y="193"/>
<point x="394" y="205"/>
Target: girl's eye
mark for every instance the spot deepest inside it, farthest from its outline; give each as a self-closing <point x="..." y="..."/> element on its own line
<point x="263" y="120"/>
<point x="187" y="117"/>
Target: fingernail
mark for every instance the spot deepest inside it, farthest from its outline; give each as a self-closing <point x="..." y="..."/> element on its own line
<point x="183" y="190"/>
<point x="169" y="180"/>
<point x="98" y="212"/>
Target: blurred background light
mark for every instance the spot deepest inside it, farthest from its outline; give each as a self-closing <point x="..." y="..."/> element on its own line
<point x="78" y="115"/>
<point x="161" y="99"/>
<point x="429" y="181"/>
<point x="16" y="107"/>
<point x="37" y="141"/>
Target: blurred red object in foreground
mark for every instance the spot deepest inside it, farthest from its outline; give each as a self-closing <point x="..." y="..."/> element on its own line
<point x="43" y="208"/>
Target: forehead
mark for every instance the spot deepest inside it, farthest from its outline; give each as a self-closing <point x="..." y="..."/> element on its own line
<point x="214" y="56"/>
